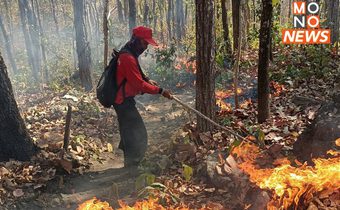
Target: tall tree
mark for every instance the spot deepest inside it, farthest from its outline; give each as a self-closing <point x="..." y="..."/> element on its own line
<point x="168" y="19"/>
<point x="205" y="54"/>
<point x="132" y="14"/>
<point x="226" y="28"/>
<point x="179" y="19"/>
<point x="83" y="48"/>
<point x="120" y="10"/>
<point x="8" y="46"/>
<point x="264" y="51"/>
<point x="42" y="42"/>
<point x="15" y="141"/>
<point x="333" y="19"/>
<point x="146" y="13"/>
<point x="105" y="30"/>
<point x="27" y="36"/>
<point x="126" y="9"/>
<point x="54" y="13"/>
<point x="236" y="4"/>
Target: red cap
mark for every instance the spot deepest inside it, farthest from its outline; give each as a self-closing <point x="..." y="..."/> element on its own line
<point x="145" y="34"/>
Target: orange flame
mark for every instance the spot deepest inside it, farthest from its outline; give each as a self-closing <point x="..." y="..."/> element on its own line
<point x="292" y="185"/>
<point x="94" y="204"/>
<point x="148" y="204"/>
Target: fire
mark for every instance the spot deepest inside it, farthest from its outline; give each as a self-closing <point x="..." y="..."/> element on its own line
<point x="186" y="64"/>
<point x="94" y="204"/>
<point x="151" y="203"/>
<point x="293" y="186"/>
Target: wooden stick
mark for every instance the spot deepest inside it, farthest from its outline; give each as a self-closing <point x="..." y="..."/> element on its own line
<point x="67" y="127"/>
<point x="229" y="130"/>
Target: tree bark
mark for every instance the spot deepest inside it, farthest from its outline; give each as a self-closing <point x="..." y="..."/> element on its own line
<point x="8" y="46"/>
<point x="34" y="35"/>
<point x="42" y="44"/>
<point x="168" y="19"/>
<point x="264" y="50"/>
<point x="179" y="19"/>
<point x="126" y="9"/>
<point x="27" y="37"/>
<point x="333" y="19"/>
<point x="132" y="14"/>
<point x="226" y="28"/>
<point x="105" y="30"/>
<point x="120" y="10"/>
<point x="205" y="53"/>
<point x="82" y="45"/>
<point x="15" y="141"/>
<point x="53" y="10"/>
<point x="146" y="14"/>
<point x="236" y="22"/>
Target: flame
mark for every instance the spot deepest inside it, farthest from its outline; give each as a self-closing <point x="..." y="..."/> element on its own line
<point x="278" y="88"/>
<point x="292" y="185"/>
<point x="186" y="64"/>
<point x="94" y="204"/>
<point x="148" y="204"/>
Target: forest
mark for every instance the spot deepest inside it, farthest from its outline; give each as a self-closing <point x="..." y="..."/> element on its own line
<point x="209" y="104"/>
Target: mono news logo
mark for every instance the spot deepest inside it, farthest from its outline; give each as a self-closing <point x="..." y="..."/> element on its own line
<point x="306" y="23"/>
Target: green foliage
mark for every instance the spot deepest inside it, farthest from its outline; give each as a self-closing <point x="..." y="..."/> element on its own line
<point x="145" y="179"/>
<point x="310" y="61"/>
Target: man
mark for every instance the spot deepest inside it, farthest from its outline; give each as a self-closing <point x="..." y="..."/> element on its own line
<point x="132" y="82"/>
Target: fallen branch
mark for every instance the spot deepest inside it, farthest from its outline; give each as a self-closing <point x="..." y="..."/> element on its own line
<point x="67" y="127"/>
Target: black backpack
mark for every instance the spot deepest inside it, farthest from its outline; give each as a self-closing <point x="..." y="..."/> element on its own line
<point x="107" y="86"/>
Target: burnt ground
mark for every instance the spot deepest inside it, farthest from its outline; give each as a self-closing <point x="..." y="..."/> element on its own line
<point x="107" y="180"/>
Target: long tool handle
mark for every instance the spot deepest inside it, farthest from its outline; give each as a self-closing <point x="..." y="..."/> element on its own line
<point x="229" y="130"/>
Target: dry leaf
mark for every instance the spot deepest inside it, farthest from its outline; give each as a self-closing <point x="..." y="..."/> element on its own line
<point x="18" y="193"/>
<point x="219" y="170"/>
<point x="109" y="147"/>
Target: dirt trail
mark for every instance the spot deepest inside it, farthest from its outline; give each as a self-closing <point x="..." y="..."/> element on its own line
<point x="108" y="180"/>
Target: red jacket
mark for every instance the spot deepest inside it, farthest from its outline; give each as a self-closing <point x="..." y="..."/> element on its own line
<point x="128" y="68"/>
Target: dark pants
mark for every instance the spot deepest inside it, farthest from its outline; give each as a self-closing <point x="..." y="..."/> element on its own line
<point x="133" y="135"/>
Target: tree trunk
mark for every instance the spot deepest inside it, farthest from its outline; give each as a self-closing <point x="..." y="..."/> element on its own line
<point x="236" y="22"/>
<point x="284" y="12"/>
<point x="333" y="19"/>
<point x="226" y="28"/>
<point x="132" y="14"/>
<point x="9" y="20"/>
<point x="120" y="10"/>
<point x="53" y="10"/>
<point x="146" y="14"/>
<point x="205" y="53"/>
<point x="161" y="18"/>
<point x="82" y="45"/>
<point x="264" y="50"/>
<point x="105" y="30"/>
<point x="42" y="44"/>
<point x="154" y="15"/>
<point x="179" y="19"/>
<point x="126" y="10"/>
<point x="15" y="141"/>
<point x="34" y="34"/>
<point x="8" y="46"/>
<point x="27" y="37"/>
<point x="168" y="19"/>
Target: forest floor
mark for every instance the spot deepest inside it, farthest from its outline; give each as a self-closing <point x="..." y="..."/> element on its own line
<point x="175" y="170"/>
<point x="102" y="175"/>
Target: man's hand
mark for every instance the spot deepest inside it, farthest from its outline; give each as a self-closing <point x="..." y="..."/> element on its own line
<point x="152" y="82"/>
<point x="167" y="94"/>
